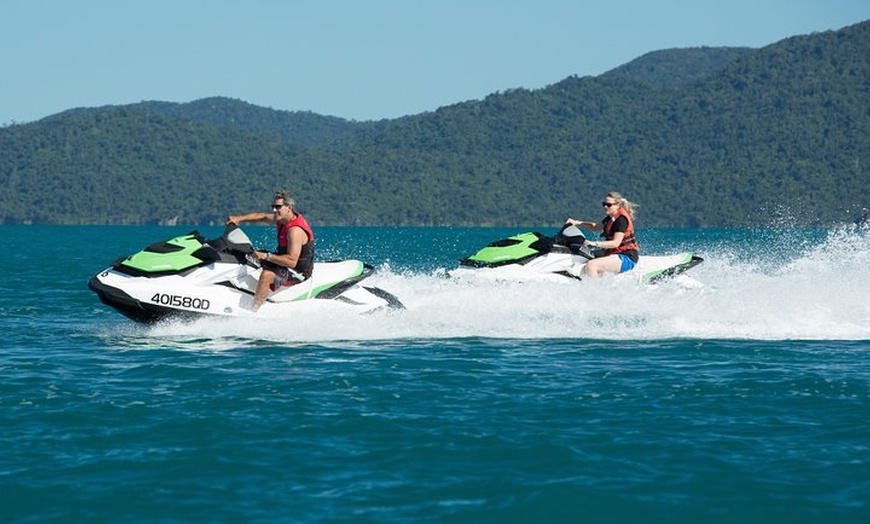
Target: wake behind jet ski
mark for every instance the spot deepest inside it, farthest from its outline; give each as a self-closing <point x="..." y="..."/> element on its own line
<point x="190" y="275"/>
<point x="534" y="256"/>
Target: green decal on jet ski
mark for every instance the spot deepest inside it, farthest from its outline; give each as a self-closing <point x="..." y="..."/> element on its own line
<point x="677" y="265"/>
<point x="346" y="279"/>
<point x="169" y="256"/>
<point x="513" y="249"/>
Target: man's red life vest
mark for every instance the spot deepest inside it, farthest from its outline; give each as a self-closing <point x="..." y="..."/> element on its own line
<point x="305" y="264"/>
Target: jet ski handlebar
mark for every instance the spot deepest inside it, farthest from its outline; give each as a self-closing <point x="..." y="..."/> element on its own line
<point x="236" y="240"/>
<point x="574" y="239"/>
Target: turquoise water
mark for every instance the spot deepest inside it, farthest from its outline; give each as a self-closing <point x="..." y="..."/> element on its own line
<point x="746" y="400"/>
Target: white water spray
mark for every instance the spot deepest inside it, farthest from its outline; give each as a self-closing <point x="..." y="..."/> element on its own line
<point x="791" y="289"/>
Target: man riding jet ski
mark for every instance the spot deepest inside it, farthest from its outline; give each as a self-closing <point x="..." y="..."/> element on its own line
<point x="534" y="256"/>
<point x="192" y="276"/>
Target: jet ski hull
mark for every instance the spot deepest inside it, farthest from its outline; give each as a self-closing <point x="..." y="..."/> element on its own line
<point x="533" y="256"/>
<point x="560" y="267"/>
<point x="214" y="279"/>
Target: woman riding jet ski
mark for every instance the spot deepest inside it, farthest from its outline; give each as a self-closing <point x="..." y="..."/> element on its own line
<point x="191" y="276"/>
<point x="534" y="256"/>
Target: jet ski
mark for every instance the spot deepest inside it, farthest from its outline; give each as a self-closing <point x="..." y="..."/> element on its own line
<point x="190" y="276"/>
<point x="535" y="256"/>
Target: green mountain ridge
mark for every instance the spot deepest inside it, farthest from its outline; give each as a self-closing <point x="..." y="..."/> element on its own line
<point x="698" y="137"/>
<point x="677" y="67"/>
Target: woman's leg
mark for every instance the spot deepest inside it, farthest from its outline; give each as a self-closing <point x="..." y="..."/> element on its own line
<point x="598" y="266"/>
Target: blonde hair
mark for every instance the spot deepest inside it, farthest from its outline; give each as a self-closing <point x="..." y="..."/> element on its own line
<point x="624" y="203"/>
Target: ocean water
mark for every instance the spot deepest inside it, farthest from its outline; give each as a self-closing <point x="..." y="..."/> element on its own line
<point x="746" y="400"/>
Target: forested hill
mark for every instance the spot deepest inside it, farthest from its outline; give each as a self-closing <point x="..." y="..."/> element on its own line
<point x="699" y="137"/>
<point x="677" y="67"/>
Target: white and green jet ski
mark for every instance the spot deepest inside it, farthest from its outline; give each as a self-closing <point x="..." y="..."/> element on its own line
<point x="534" y="256"/>
<point x="191" y="276"/>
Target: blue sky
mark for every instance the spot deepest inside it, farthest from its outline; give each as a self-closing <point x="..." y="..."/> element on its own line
<point x="359" y="60"/>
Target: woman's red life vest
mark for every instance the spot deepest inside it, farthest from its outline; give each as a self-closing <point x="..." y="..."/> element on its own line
<point x="629" y="243"/>
<point x="305" y="264"/>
